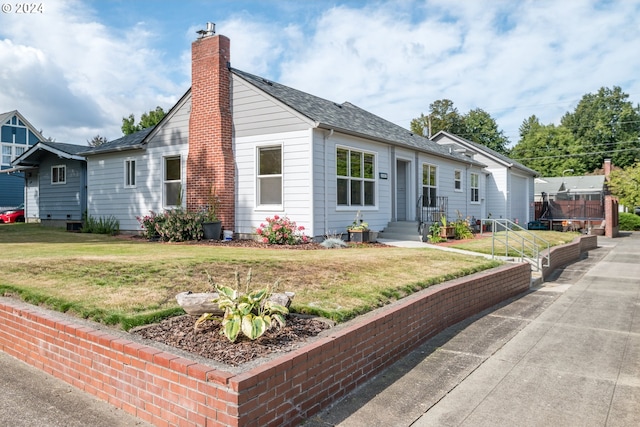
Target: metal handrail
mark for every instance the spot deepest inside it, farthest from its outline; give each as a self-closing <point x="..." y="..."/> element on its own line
<point x="519" y="240"/>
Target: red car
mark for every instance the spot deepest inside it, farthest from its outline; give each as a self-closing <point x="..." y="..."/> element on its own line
<point x="12" y="215"/>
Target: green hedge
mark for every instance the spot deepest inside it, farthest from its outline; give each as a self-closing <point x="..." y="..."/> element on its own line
<point x="629" y="222"/>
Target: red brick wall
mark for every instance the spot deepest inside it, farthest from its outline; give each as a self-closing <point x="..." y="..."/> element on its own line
<point x="211" y="161"/>
<point x="565" y="254"/>
<point x="168" y="390"/>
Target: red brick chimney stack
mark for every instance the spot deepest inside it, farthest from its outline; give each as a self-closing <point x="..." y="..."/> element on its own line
<point x="607" y="168"/>
<point x="210" y="163"/>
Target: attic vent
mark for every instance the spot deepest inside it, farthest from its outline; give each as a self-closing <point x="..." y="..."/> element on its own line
<point x="337" y="105"/>
<point x="267" y="82"/>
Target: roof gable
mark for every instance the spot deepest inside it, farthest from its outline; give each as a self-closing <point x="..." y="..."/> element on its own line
<point x="483" y="149"/>
<point x="33" y="155"/>
<point x="6" y="118"/>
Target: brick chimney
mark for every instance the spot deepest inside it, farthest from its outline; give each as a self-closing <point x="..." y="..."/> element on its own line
<point x="211" y="163"/>
<point x="607" y="168"/>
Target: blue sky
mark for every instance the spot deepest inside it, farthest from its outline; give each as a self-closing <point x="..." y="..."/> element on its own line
<point x="76" y="69"/>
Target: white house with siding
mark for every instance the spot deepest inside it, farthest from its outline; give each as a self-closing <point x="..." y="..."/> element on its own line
<point x="268" y="149"/>
<point x="316" y="161"/>
<point x="509" y="184"/>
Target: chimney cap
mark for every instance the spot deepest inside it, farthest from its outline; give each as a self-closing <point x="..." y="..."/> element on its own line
<point x="209" y="31"/>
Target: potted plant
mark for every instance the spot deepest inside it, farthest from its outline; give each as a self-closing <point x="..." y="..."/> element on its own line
<point x="358" y="230"/>
<point x="211" y="225"/>
<point x="447" y="230"/>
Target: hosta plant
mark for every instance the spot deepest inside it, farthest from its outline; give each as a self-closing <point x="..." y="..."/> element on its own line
<point x="249" y="313"/>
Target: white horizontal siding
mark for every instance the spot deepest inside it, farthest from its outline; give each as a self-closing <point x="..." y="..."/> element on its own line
<point x="330" y="218"/>
<point x="255" y="114"/>
<point x="297" y="178"/>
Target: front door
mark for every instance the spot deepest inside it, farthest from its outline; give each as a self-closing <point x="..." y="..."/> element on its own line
<point x="401" y="190"/>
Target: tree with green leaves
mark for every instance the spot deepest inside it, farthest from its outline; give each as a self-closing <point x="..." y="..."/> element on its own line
<point x="442" y="116"/>
<point x="97" y="141"/>
<point x="605" y="125"/>
<point x="147" y="120"/>
<point x="477" y="125"/>
<point x="546" y="149"/>
<point x="480" y="127"/>
<point x="625" y="185"/>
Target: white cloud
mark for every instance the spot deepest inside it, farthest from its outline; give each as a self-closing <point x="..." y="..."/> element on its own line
<point x="74" y="76"/>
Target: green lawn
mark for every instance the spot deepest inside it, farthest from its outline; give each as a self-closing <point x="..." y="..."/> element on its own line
<point x="127" y="281"/>
<point x="520" y="240"/>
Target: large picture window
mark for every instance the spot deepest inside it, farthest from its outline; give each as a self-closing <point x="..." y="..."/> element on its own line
<point x="429" y="185"/>
<point x="475" y="188"/>
<point x="269" y="176"/>
<point x="356" y="178"/>
<point x="172" y="181"/>
<point x="129" y="173"/>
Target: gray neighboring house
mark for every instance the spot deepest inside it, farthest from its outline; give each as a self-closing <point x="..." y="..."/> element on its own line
<point x="55" y="183"/>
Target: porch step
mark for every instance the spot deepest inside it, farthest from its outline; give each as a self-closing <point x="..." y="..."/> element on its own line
<point x="401" y="230"/>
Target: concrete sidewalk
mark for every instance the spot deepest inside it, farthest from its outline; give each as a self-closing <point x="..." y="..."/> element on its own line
<point x="565" y="354"/>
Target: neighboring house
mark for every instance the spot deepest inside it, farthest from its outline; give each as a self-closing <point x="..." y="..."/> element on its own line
<point x="268" y="149"/>
<point x="16" y="136"/>
<point x="577" y="202"/>
<point x="55" y="182"/>
<point x="509" y="186"/>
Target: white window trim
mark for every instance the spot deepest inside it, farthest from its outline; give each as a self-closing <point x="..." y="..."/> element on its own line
<point x="127" y="172"/>
<point x="459" y="180"/>
<point x="64" y="168"/>
<point x="422" y="185"/>
<point x="375" y="180"/>
<point x="164" y="181"/>
<point x="474" y="202"/>
<point x="269" y="207"/>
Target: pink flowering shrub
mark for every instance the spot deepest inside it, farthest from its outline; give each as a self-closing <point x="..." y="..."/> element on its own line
<point x="281" y="231"/>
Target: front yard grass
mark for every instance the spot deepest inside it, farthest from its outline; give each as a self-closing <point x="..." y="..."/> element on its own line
<point x="485" y="243"/>
<point x="128" y="282"/>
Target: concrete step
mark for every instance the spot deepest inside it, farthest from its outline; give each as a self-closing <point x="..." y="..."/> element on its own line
<point x="401" y="230"/>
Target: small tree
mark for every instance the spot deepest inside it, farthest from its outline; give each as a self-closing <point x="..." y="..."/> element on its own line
<point x="147" y="120"/>
<point x="97" y="141"/>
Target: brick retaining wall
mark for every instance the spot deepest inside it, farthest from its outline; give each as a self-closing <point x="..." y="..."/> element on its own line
<point x="565" y="254"/>
<point x="168" y="390"/>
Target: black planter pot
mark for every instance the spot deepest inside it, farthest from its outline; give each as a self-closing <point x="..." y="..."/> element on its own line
<point x="212" y="230"/>
<point x="359" y="236"/>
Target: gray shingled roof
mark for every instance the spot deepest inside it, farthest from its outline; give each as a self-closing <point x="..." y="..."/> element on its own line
<point x="347" y="117"/>
<point x="127" y="142"/>
<point x="72" y="149"/>
<point x="483" y="148"/>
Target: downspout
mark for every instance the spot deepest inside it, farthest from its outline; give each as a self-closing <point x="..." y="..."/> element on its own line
<point x="326" y="180"/>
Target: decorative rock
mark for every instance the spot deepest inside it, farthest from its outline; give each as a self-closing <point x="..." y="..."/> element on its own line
<point x="196" y="304"/>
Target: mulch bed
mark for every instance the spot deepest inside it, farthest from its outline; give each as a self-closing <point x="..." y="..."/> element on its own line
<point x="207" y="341"/>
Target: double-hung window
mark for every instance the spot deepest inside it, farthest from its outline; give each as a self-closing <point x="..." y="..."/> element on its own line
<point x="429" y="185"/>
<point x="457" y="180"/>
<point x="475" y="188"/>
<point x="172" y="181"/>
<point x="59" y="174"/>
<point x="356" y="178"/>
<point x="269" y="176"/>
<point x="129" y="173"/>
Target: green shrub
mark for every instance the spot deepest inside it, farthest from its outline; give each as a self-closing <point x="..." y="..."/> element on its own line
<point x="629" y="222"/>
<point x="176" y="225"/>
<point x="103" y="225"/>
